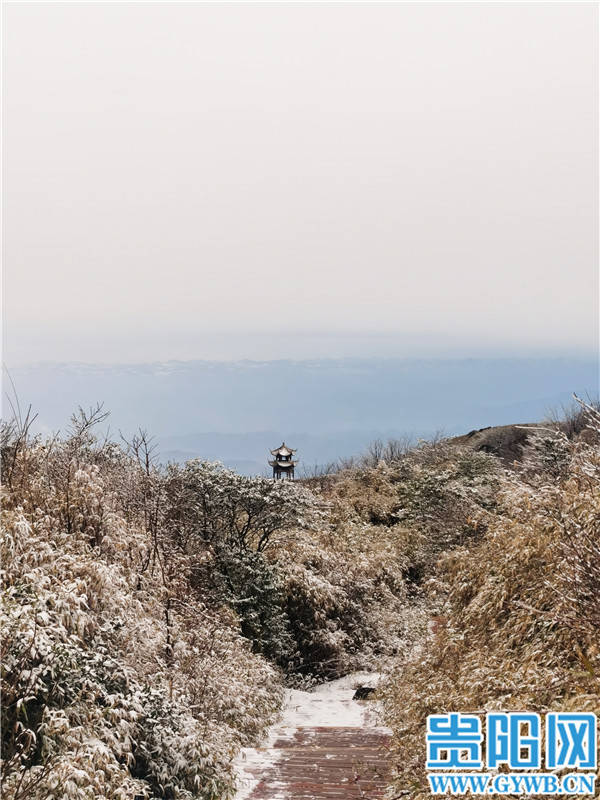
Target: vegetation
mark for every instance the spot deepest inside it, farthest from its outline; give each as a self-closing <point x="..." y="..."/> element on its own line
<point x="519" y="625"/>
<point x="117" y="667"/>
<point x="152" y="615"/>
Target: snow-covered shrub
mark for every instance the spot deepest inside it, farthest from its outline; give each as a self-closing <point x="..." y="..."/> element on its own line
<point x="545" y="456"/>
<point x="520" y="627"/>
<point x="344" y="597"/>
<point x="225" y="524"/>
<point x="253" y="587"/>
<point x="120" y="674"/>
<point x="211" y="504"/>
<point x="432" y="495"/>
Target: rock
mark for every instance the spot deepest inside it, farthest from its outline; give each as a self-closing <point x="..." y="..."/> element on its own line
<point x="363" y="692"/>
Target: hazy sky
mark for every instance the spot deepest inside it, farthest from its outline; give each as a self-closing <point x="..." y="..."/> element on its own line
<point x="259" y="180"/>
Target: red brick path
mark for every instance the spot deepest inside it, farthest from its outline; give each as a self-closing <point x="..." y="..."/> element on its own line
<point x="326" y="764"/>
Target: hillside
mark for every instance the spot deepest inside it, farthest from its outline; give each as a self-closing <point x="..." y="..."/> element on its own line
<point x="153" y="616"/>
<point x="505" y="441"/>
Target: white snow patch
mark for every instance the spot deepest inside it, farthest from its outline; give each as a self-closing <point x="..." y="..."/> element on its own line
<point x="329" y="705"/>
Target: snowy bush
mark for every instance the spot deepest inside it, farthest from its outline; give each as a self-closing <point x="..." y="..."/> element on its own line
<point x="519" y="628"/>
<point x="120" y="676"/>
<point x="345" y="598"/>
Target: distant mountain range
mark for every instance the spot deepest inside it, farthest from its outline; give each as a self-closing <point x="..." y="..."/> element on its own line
<point x="236" y="411"/>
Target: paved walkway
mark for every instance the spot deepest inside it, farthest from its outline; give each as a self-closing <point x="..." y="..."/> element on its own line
<point x="326" y="763"/>
<point x="327" y="746"/>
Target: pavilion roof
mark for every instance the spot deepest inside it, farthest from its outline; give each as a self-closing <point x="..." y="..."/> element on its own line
<point x="282" y="450"/>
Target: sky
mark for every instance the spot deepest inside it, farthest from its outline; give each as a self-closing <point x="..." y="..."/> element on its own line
<point x="224" y="181"/>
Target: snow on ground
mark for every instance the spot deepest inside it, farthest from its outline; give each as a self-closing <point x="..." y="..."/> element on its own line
<point x="328" y="705"/>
